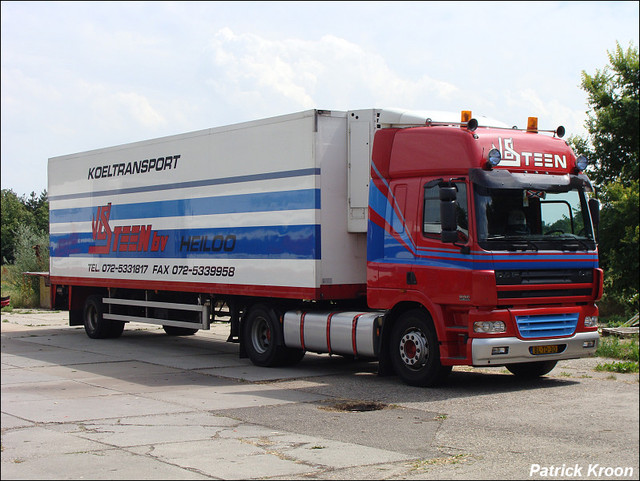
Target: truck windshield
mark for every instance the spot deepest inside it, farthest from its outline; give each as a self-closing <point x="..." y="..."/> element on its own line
<point x="529" y="219"/>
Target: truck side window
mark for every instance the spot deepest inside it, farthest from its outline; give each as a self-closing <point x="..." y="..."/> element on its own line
<point x="431" y="213"/>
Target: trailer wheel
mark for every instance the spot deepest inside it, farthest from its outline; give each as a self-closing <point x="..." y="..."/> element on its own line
<point x="262" y="335"/>
<point x="179" y="331"/>
<point x="415" y="354"/>
<point x="530" y="370"/>
<point x="95" y="325"/>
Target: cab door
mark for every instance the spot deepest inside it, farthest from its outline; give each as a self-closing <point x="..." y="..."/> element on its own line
<point x="398" y="242"/>
<point x="442" y="270"/>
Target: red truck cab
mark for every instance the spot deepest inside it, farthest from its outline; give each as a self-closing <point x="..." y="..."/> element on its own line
<point x="482" y="247"/>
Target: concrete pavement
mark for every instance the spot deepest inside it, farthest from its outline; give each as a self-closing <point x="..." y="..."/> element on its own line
<point x="151" y="406"/>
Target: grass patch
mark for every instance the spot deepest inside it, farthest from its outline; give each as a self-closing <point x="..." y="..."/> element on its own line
<point x="23" y="290"/>
<point x="618" y="366"/>
<point x="622" y="349"/>
<point x="455" y="459"/>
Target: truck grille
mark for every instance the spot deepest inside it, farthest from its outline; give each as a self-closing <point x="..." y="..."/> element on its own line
<point x="522" y="294"/>
<point x="551" y="325"/>
<point x="543" y="284"/>
<point x="544" y="276"/>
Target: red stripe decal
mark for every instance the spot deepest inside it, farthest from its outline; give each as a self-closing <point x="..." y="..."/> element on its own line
<point x="302" y="330"/>
<point x="324" y="292"/>
<point x="354" y="324"/>
<point x="329" y="331"/>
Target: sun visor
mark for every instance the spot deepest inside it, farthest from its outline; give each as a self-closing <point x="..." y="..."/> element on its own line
<point x="503" y="179"/>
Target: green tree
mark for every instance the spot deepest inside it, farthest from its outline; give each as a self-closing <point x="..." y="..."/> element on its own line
<point x="39" y="208"/>
<point x="20" y="211"/>
<point x="14" y="213"/>
<point x="619" y="246"/>
<point x="613" y="126"/>
<point x="612" y="121"/>
<point x="31" y="255"/>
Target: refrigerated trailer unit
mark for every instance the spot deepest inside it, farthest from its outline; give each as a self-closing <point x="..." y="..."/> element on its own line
<point x="422" y="240"/>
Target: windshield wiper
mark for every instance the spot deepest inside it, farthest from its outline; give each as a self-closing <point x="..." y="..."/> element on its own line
<point x="517" y="246"/>
<point x="578" y="241"/>
<point x="514" y="243"/>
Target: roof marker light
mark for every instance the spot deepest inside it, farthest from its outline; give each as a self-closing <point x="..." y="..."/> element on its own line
<point x="493" y="158"/>
<point x="581" y="163"/>
<point x="465" y="116"/>
<point x="532" y="124"/>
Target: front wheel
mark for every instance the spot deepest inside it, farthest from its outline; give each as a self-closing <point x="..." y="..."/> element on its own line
<point x="530" y="370"/>
<point x="415" y="354"/>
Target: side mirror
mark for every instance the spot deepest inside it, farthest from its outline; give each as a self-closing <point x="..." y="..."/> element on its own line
<point x="594" y="210"/>
<point x="448" y="221"/>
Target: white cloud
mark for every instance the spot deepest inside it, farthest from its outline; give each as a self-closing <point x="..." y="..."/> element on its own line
<point x="330" y="72"/>
<point x="551" y="112"/>
<point x="124" y="109"/>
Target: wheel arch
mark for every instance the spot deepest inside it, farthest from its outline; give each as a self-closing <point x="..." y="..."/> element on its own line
<point x="392" y="315"/>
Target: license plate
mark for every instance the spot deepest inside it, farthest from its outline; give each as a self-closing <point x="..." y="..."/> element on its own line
<point x="537" y="350"/>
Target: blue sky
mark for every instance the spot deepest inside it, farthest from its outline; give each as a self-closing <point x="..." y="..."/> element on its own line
<point x="78" y="76"/>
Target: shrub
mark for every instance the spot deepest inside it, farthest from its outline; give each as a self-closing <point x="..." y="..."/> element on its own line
<point x="31" y="255"/>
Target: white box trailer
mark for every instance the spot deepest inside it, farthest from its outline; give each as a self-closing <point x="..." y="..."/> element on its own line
<point x="272" y="207"/>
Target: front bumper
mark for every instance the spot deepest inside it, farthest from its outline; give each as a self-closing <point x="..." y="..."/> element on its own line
<point x="519" y="350"/>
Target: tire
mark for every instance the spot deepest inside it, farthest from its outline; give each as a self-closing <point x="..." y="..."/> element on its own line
<point x="179" y="331"/>
<point x="95" y="325"/>
<point x="415" y="354"/>
<point x="531" y="370"/>
<point x="263" y="339"/>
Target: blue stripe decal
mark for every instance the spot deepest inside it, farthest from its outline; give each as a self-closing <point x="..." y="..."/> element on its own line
<point x="489" y="265"/>
<point x="381" y="205"/>
<point x="385" y="245"/>
<point x="264" y="242"/>
<point x="377" y="200"/>
<point x="194" y="183"/>
<point x="229" y="204"/>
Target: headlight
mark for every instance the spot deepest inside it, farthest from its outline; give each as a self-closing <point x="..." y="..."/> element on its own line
<point x="581" y="163"/>
<point x="493" y="158"/>
<point x="489" y="327"/>
<point x="591" y="321"/>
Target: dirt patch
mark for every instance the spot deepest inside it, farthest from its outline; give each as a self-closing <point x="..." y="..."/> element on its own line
<point x="355" y="406"/>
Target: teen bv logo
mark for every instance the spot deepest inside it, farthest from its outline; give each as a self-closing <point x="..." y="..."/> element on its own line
<point x="512" y="158"/>
<point x="123" y="238"/>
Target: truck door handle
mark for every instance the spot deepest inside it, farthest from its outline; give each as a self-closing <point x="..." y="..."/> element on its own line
<point x="411" y="278"/>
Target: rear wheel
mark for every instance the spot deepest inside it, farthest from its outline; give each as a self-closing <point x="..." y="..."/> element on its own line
<point x="415" y="354"/>
<point x="530" y="370"/>
<point x="262" y="335"/>
<point x="95" y="325"/>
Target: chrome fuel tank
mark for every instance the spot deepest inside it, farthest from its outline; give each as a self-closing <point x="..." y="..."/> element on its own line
<point x="348" y="333"/>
